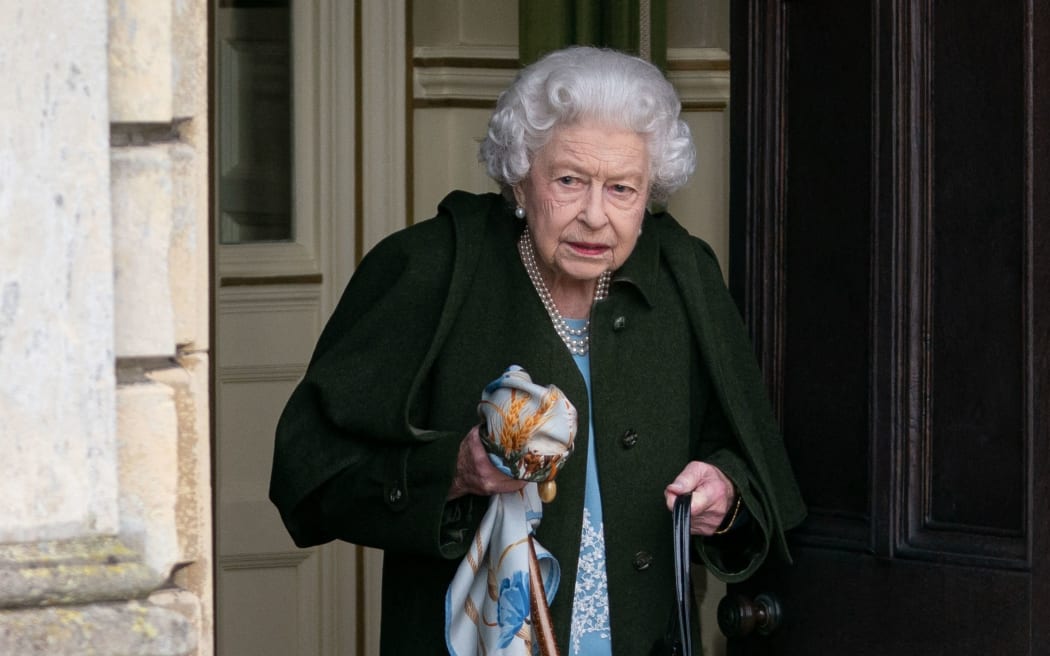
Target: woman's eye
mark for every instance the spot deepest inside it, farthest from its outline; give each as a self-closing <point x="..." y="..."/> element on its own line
<point x="567" y="180"/>
<point x="621" y="189"/>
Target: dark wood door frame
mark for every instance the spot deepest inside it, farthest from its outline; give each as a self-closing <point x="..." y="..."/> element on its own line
<point x="890" y="253"/>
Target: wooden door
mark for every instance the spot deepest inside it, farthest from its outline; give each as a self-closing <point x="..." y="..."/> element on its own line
<point x="890" y="208"/>
<point x="270" y="596"/>
<point x="284" y="199"/>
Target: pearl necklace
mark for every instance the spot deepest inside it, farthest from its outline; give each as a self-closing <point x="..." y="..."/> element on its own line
<point x="578" y="340"/>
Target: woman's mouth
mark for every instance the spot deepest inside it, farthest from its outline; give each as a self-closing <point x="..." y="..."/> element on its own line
<point x="587" y="248"/>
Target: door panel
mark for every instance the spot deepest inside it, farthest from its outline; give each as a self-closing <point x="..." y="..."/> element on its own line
<point x="839" y="602"/>
<point x="889" y="254"/>
<point x="254" y="155"/>
<point x="269" y="593"/>
<point x="826" y="258"/>
<point x="275" y="282"/>
<point x="274" y="289"/>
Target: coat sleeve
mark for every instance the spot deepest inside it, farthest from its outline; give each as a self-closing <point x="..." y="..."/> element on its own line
<point x="752" y="452"/>
<point x="734" y="556"/>
<point x="349" y="462"/>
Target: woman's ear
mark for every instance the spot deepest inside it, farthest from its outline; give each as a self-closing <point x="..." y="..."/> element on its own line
<point x="519" y="193"/>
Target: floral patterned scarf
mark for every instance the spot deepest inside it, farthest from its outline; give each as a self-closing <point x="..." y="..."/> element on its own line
<point x="529" y="431"/>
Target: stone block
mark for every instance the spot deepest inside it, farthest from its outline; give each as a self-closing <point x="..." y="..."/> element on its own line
<point x="187" y="255"/>
<point x="193" y="509"/>
<point x="140" y="61"/>
<point x="58" y="471"/>
<point x="195" y="608"/>
<point x="190" y="80"/>
<point x="77" y="571"/>
<point x="147" y="435"/>
<point x="142" y="236"/>
<point x="189" y="386"/>
<point x="190" y="60"/>
<point x="130" y="629"/>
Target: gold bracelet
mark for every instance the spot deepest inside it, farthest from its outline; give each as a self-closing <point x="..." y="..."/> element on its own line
<point x="736" y="511"/>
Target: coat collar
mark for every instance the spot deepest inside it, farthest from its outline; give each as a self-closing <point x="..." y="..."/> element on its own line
<point x="640" y="271"/>
<point x="643" y="264"/>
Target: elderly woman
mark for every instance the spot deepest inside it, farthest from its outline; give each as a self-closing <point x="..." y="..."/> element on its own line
<point x="569" y="276"/>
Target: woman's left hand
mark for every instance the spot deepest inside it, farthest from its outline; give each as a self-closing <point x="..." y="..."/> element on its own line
<point x="713" y="496"/>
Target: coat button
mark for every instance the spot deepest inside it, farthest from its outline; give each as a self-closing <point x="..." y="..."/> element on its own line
<point x="642" y="560"/>
<point x="619" y="323"/>
<point x="394" y="495"/>
<point x="629" y="439"/>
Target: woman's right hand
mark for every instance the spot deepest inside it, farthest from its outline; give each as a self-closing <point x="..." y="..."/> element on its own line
<point x="475" y="473"/>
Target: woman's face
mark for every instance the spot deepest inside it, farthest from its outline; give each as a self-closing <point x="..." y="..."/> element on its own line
<point x="584" y="199"/>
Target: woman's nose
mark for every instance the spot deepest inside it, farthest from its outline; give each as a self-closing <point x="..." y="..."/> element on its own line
<point x="593" y="211"/>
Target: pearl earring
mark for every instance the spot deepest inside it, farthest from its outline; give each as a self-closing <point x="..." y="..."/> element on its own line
<point x="519" y="212"/>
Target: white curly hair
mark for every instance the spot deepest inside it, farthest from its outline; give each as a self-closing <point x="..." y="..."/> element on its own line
<point x="583" y="83"/>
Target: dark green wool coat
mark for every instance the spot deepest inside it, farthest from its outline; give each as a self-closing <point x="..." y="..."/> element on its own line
<point x="366" y="447"/>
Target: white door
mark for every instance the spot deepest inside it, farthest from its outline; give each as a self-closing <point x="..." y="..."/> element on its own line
<point x="285" y="147"/>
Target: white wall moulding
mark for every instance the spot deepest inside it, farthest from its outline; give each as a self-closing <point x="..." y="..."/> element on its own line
<point x="492" y="56"/>
<point x="246" y="261"/>
<point x="265" y="560"/>
<point x="462" y="75"/>
<point x="337" y="177"/>
<point x="459" y="86"/>
<point x="701" y="76"/>
<point x="263" y="373"/>
<point x="383" y="106"/>
<point x="473" y="76"/>
<point x="271" y="281"/>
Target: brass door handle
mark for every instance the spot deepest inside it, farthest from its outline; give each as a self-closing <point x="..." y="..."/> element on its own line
<point x="740" y="616"/>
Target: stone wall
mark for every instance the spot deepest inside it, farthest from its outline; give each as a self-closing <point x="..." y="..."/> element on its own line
<point x="105" y="537"/>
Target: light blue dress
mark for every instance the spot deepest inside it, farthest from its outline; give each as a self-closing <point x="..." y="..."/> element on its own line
<point x="590" y="634"/>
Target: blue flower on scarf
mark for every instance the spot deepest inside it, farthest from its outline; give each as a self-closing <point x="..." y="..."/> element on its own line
<point x="512" y="607"/>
